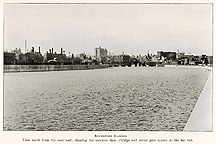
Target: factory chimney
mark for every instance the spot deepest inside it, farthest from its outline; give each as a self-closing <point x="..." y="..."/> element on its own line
<point x="52" y="50"/>
<point x="32" y="49"/>
<point x="61" y="51"/>
<point x="39" y="49"/>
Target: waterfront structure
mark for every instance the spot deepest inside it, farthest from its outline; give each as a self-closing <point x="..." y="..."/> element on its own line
<point x="194" y="60"/>
<point x="169" y="57"/>
<point x="179" y="54"/>
<point x="115" y="59"/>
<point x="101" y="54"/>
<point x="16" y="57"/>
<point x="210" y="60"/>
<point x="31" y="57"/>
<point x="124" y="58"/>
<point x="9" y="58"/>
<point x="58" y="57"/>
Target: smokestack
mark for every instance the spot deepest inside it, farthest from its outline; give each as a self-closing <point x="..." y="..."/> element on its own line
<point x="61" y="51"/>
<point x="32" y="49"/>
<point x="49" y="50"/>
<point x="39" y="49"/>
<point x="52" y="50"/>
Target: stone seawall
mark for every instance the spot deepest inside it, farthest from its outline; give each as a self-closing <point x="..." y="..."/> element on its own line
<point x="35" y="68"/>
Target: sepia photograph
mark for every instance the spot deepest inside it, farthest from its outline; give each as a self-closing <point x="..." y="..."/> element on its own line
<point x="108" y="67"/>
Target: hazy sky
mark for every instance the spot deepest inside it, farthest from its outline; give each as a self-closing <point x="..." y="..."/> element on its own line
<point x="128" y="28"/>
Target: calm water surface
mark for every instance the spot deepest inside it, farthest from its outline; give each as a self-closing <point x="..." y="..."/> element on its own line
<point x="120" y="99"/>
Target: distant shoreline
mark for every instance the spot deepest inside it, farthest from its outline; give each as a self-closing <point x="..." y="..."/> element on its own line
<point x="194" y="66"/>
<point x="46" y="68"/>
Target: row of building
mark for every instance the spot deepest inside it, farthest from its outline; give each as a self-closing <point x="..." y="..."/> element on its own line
<point x="101" y="56"/>
<point x="168" y="58"/>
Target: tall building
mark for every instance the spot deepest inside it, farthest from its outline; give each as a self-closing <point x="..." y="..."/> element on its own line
<point x="100" y="53"/>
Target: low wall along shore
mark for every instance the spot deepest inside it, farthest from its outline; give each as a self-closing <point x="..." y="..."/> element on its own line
<point x="34" y="68"/>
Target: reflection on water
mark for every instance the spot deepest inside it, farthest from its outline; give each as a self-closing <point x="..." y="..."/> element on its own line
<point x="117" y="99"/>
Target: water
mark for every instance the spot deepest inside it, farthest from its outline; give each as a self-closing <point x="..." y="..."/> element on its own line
<point x="116" y="99"/>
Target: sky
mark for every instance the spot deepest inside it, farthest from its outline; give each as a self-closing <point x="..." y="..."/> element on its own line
<point x="129" y="28"/>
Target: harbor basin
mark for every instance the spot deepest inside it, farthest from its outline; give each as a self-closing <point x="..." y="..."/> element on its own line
<point x="113" y="99"/>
